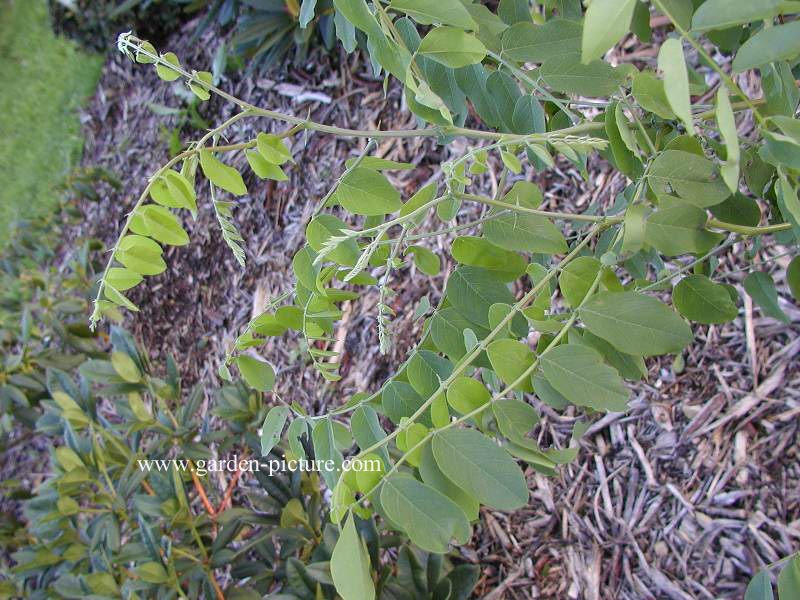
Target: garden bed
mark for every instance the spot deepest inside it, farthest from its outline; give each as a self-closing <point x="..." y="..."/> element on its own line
<point x="685" y="496"/>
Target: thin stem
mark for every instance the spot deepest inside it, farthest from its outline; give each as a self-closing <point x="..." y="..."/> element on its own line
<point x="133" y="43"/>
<point x="748" y="230"/>
<point x="688" y="266"/>
<point x="541" y="213"/>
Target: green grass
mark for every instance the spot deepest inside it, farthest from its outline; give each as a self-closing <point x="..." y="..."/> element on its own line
<point x="45" y="79"/>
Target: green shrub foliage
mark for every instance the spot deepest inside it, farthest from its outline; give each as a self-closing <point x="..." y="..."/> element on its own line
<point x="101" y="525"/>
<point x="592" y="284"/>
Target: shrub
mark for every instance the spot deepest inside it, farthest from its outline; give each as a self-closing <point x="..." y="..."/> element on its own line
<point x="584" y="311"/>
<point x="111" y="502"/>
<point x="42" y="322"/>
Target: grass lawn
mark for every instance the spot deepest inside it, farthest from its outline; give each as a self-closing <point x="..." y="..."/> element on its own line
<point x="45" y="79"/>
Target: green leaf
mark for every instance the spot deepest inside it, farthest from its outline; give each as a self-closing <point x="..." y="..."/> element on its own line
<point x="622" y="142"/>
<point x="466" y="394"/>
<point x="257" y="374"/>
<point x="367" y="192"/>
<point x="511" y="162"/>
<point x="789" y="580"/>
<point x="722" y="14"/>
<point x="793" y="277"/>
<point x="680" y="229"/>
<point x="699" y="299"/>
<point x="166" y="73"/>
<point x="444" y="12"/>
<point x="263" y="168"/>
<point x="773" y="44"/>
<point x="323" y="437"/>
<point x="478" y="252"/>
<point x="759" y="588"/>
<point x="122" y="279"/>
<point x="510" y="359"/>
<point x="350" y="565"/>
<point x="267" y="324"/>
<point x="688" y="178"/>
<point x="307" y="10"/>
<point x="423" y="196"/>
<point x="199" y="90"/>
<point x="514" y="11"/>
<point x="788" y="202"/>
<point x="676" y="81"/>
<point x="679" y="11"/>
<point x="526" y="42"/>
<point x="605" y="23"/>
<point x="524" y="233"/>
<point x="273" y="148"/>
<point x="635" y="323"/>
<point x="577" y="278"/>
<point x="515" y="418"/>
<point x="649" y="93"/>
<point x="152" y="572"/>
<point x="357" y="13"/>
<point x="367" y="430"/>
<point x="629" y="366"/>
<point x="568" y="75"/>
<point x="429" y="517"/>
<point x="400" y="400"/>
<point x="221" y="175"/>
<point x="761" y="288"/>
<point x="117" y="297"/>
<point x="164" y="226"/>
<point x="579" y="374"/>
<point x="174" y="191"/>
<point x="321" y="228"/>
<point x="452" y="47"/>
<point x="481" y="468"/>
<point x="125" y="367"/>
<point x="141" y="57"/>
<point x="272" y="428"/>
<point x="472" y="290"/>
<point x="432" y="475"/>
<point x="426" y="370"/>
<point x="447" y="330"/>
<point x="528" y="116"/>
<point x="634" y="233"/>
<point x="141" y="255"/>
<point x="739" y="210"/>
<point x="305" y="271"/>
<point x="727" y="128"/>
<point x="426" y="261"/>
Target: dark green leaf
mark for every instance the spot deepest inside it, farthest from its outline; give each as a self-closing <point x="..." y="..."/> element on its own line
<point x="258" y="374"/>
<point x="761" y="288"/>
<point x="481" y="468"/>
<point x="350" y="565"/>
<point x="635" y="323"/>
<point x="429" y="517"/>
<point x="579" y="374"/>
<point x="699" y="299"/>
<point x="272" y="428"/>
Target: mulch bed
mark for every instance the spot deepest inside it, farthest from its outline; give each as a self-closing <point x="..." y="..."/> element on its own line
<point x="685" y="496"/>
